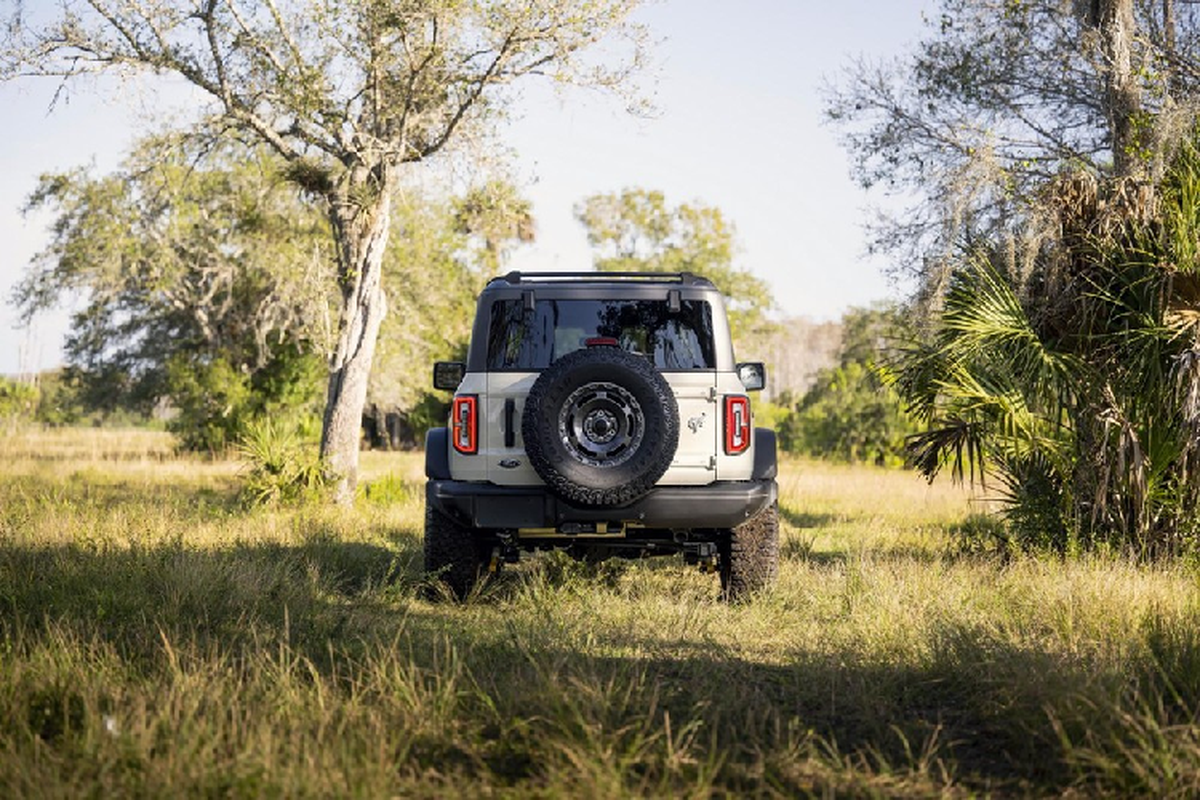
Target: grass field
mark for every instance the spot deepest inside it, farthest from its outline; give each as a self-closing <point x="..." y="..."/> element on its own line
<point x="158" y="638"/>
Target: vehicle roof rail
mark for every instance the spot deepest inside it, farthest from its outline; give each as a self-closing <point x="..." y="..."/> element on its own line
<point x="683" y="278"/>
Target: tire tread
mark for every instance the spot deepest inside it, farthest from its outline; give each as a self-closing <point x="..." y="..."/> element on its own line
<point x="750" y="556"/>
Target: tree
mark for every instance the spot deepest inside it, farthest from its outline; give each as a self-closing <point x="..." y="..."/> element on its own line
<point x="492" y="219"/>
<point x="637" y="230"/>
<point x="1001" y="98"/>
<point x="205" y="280"/>
<point x="345" y="93"/>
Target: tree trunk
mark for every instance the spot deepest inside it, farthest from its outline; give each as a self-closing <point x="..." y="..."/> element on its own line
<point x="1122" y="92"/>
<point x="361" y="232"/>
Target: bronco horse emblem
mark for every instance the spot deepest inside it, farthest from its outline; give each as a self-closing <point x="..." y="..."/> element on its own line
<point x="696" y="423"/>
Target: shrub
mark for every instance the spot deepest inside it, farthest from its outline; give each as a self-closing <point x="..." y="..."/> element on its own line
<point x="211" y="399"/>
<point x="283" y="466"/>
<point x="1083" y="401"/>
<point x="850" y="416"/>
<point x="216" y="401"/>
<point x="18" y="400"/>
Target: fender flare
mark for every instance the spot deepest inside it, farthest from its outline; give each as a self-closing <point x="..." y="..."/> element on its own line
<point x="437" y="454"/>
<point x="766" y="463"/>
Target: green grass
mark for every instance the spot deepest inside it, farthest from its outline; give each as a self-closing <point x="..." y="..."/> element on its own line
<point x="159" y="638"/>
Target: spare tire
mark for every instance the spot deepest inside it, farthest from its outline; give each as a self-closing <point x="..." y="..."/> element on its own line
<point x="601" y="426"/>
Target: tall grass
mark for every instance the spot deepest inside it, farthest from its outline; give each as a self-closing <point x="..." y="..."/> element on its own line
<point x="158" y="637"/>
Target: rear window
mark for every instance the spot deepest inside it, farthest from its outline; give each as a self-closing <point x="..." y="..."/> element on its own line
<point x="530" y="339"/>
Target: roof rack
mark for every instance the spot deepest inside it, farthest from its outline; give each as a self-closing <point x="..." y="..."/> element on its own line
<point x="684" y="278"/>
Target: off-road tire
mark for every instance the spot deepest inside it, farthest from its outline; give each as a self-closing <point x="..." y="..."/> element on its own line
<point x="589" y="395"/>
<point x="455" y="554"/>
<point x="749" y="556"/>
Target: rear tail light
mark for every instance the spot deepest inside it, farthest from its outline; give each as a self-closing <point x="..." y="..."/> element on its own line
<point x="737" y="424"/>
<point x="464" y="425"/>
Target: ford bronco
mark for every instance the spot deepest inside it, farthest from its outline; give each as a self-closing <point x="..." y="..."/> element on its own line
<point x="603" y="413"/>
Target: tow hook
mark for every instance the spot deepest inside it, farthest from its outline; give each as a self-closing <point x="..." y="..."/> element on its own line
<point x="505" y="552"/>
<point x="702" y="554"/>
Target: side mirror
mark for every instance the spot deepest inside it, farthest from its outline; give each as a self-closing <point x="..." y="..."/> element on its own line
<point x="448" y="374"/>
<point x="753" y="375"/>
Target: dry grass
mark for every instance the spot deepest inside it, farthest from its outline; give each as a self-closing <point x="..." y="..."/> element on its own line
<point x="158" y="638"/>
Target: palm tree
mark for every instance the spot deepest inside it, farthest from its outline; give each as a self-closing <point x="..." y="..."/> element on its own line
<point x="1081" y="393"/>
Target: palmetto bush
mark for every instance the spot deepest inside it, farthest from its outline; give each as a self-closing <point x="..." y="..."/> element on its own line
<point x="1079" y="393"/>
<point x="282" y="466"/>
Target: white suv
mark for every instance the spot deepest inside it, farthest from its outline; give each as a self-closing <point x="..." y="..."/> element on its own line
<point x="603" y="413"/>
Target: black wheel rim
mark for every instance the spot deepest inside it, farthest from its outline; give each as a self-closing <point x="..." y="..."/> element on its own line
<point x="601" y="424"/>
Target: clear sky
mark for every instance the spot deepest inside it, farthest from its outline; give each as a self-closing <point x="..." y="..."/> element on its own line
<point x="739" y="127"/>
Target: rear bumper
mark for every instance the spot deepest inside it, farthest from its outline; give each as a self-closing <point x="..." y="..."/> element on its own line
<point x="715" y="505"/>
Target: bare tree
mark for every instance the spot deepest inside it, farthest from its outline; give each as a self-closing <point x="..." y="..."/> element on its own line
<point x="346" y="93"/>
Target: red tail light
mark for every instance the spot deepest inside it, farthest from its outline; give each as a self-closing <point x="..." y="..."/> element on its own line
<point x="737" y="424"/>
<point x="464" y="427"/>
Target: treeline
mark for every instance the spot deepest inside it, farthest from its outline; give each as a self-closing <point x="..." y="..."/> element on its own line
<point x="840" y="406"/>
<point x="49" y="399"/>
<point x="837" y="406"/>
<point x="208" y="291"/>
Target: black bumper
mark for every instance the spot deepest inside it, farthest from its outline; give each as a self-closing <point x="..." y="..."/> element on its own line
<point x="715" y="505"/>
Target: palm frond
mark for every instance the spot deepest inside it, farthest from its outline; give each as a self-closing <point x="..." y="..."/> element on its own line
<point x="954" y="441"/>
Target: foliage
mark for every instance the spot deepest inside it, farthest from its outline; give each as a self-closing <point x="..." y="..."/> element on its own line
<point x="492" y="218"/>
<point x="61" y="404"/>
<point x="283" y="466"/>
<point x="205" y="283"/>
<point x="431" y="411"/>
<point x="58" y="401"/>
<point x="1082" y="400"/>
<point x="211" y="399"/>
<point x="850" y="416"/>
<point x="18" y="400"/>
<point x="849" y="413"/>
<point x="216" y="404"/>
<point x="637" y="231"/>
<point x="997" y="99"/>
<point x="992" y="392"/>
<point x="775" y="414"/>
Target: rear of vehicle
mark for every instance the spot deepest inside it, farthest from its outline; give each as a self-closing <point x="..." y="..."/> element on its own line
<point x="602" y="413"/>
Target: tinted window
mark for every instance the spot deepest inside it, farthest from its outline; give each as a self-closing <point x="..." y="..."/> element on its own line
<point x="530" y="339"/>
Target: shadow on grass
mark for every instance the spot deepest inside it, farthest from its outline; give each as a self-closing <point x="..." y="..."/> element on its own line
<point x="228" y="599"/>
<point x="807" y="519"/>
<point x="974" y="700"/>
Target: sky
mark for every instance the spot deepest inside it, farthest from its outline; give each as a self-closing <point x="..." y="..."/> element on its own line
<point x="739" y="126"/>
